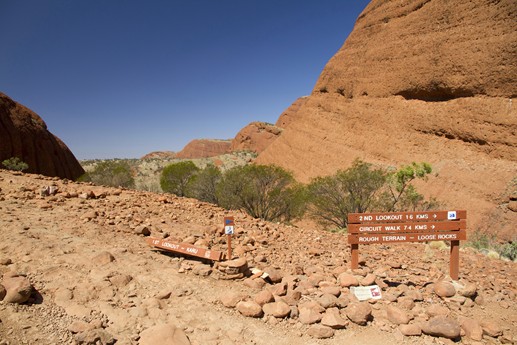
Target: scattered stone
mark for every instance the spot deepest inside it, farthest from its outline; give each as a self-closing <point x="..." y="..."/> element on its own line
<point x="491" y="328"/>
<point x="359" y="312"/>
<point x="397" y="316"/>
<point x="309" y="315"/>
<point x="327" y="300"/>
<point x="5" y="261"/>
<point x="410" y="330"/>
<point x="472" y="329"/>
<point x="441" y="326"/>
<point x="2" y="292"/>
<point x="165" y="334"/>
<point x="230" y="299"/>
<point x="347" y="280"/>
<point x="444" y="289"/>
<point x="94" y="337"/>
<point x="469" y="290"/>
<point x="332" y="318"/>
<point x="120" y="280"/>
<point x="103" y="258"/>
<point x="320" y="332"/>
<point x="18" y="288"/>
<point x="250" y="309"/>
<point x="142" y="230"/>
<point x="202" y="270"/>
<point x="263" y="297"/>
<point x="437" y="310"/>
<point x="277" y="309"/>
<point x="274" y="275"/>
<point x="79" y="326"/>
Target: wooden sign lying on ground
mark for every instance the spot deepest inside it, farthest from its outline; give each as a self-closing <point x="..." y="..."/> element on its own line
<point x="392" y="227"/>
<point x="185" y="248"/>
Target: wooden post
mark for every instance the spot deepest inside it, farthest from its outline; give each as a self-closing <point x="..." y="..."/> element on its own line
<point x="229" y="241"/>
<point x="354" y="248"/>
<point x="454" y="265"/>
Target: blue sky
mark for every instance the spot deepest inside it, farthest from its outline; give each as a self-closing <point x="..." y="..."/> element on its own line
<point x="124" y="78"/>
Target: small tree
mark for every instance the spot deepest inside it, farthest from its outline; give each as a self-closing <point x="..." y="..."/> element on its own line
<point x="111" y="173"/>
<point x="263" y="191"/>
<point x="351" y="190"/>
<point x="15" y="163"/>
<point x="400" y="193"/>
<point x="204" y="185"/>
<point x="176" y="177"/>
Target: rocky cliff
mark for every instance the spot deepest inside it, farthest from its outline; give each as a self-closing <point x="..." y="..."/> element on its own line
<point x="255" y="137"/>
<point x="201" y="148"/>
<point x="24" y="134"/>
<point x="419" y="80"/>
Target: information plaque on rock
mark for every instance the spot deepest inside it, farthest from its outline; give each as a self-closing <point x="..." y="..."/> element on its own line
<point x="392" y="227"/>
<point x="185" y="248"/>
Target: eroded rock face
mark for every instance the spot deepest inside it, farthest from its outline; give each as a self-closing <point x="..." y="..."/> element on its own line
<point x="201" y="148"/>
<point x="255" y="137"/>
<point x="419" y="81"/>
<point x="24" y="134"/>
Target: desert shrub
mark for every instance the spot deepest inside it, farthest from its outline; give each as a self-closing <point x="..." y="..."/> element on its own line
<point x="110" y="173"/>
<point x="508" y="250"/>
<point x="176" y="177"/>
<point x="480" y="240"/>
<point x="332" y="198"/>
<point x="263" y="191"/>
<point x="203" y="185"/>
<point x="362" y="188"/>
<point x="15" y="163"/>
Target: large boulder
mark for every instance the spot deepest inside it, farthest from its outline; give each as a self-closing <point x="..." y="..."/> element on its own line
<point x="418" y="81"/>
<point x="24" y="134"/>
<point x="202" y="148"/>
<point x="255" y="137"/>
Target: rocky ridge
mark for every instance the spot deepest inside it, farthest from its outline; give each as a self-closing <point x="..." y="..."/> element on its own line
<point x="94" y="280"/>
<point x="24" y="134"/>
<point x="203" y="148"/>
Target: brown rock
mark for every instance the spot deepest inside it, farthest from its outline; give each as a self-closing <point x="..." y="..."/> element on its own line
<point x="512" y="205"/>
<point x="165" y="334"/>
<point x="441" y="326"/>
<point x="444" y="289"/>
<point x="437" y="310"/>
<point x="95" y="336"/>
<point x="255" y="137"/>
<point x="142" y="230"/>
<point x="103" y="258"/>
<point x="327" y="300"/>
<point x="368" y="280"/>
<point x="79" y="326"/>
<point x="263" y="297"/>
<point x="2" y="292"/>
<point x="201" y="148"/>
<point x="332" y="318"/>
<point x="277" y="309"/>
<point x="410" y="330"/>
<point x="320" y="332"/>
<point x="18" y="289"/>
<point x="347" y="280"/>
<point x="491" y="328"/>
<point x="274" y="274"/>
<point x="397" y="316"/>
<point x="309" y="314"/>
<point x="230" y="299"/>
<point x="24" y="134"/>
<point x="472" y="329"/>
<point x="250" y="309"/>
<point x="469" y="290"/>
<point x="359" y="312"/>
<point x="120" y="280"/>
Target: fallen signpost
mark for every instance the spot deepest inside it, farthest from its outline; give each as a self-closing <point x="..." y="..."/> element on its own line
<point x="185" y="248"/>
<point x="393" y="227"/>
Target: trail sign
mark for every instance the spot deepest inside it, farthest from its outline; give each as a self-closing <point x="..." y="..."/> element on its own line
<point x="185" y="248"/>
<point x="229" y="224"/>
<point x="393" y="227"/>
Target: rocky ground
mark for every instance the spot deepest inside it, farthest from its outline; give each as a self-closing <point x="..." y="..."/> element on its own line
<point x="76" y="269"/>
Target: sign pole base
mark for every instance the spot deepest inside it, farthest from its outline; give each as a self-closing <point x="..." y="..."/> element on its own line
<point x="354" y="251"/>
<point x="454" y="260"/>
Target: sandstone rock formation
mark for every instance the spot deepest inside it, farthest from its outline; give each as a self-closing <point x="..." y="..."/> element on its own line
<point x="289" y="115"/>
<point x="201" y="148"/>
<point x="419" y="81"/>
<point x="255" y="137"/>
<point x="24" y="134"/>
<point x="160" y="155"/>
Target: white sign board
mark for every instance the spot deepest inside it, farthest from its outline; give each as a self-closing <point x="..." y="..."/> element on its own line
<point x="228" y="230"/>
<point x="364" y="293"/>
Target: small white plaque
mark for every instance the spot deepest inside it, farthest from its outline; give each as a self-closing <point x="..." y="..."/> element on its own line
<point x="228" y="229"/>
<point x="364" y="293"/>
<point x="451" y="214"/>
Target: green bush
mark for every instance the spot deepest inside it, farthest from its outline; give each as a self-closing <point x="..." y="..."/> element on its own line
<point x="203" y="186"/>
<point x="361" y="188"/>
<point x="263" y="191"/>
<point x="15" y="163"/>
<point x="355" y="189"/>
<point x="110" y="173"/>
<point x="176" y="177"/>
<point x="508" y="250"/>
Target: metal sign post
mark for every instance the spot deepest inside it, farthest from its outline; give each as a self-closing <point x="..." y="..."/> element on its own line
<point x="229" y="225"/>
